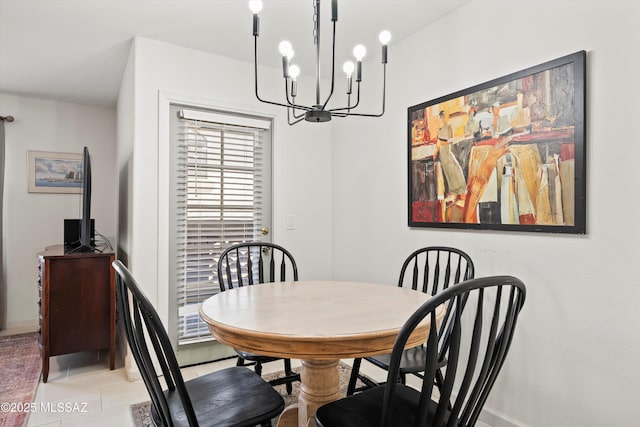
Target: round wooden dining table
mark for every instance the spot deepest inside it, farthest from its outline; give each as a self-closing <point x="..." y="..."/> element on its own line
<point x="318" y="322"/>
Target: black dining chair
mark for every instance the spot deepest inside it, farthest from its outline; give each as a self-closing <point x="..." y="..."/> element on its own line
<point x="431" y="269"/>
<point x="229" y="397"/>
<point x="246" y="264"/>
<point x="483" y="314"/>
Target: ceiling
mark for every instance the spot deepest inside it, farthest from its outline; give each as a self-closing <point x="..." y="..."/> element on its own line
<point x="76" y="50"/>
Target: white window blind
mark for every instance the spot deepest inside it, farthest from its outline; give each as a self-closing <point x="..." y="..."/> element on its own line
<point x="219" y="194"/>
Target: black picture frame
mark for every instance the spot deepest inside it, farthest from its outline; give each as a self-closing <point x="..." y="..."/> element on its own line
<point x="508" y="154"/>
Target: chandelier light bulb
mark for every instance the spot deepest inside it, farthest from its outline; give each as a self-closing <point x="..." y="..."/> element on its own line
<point x="294" y="71"/>
<point x="359" y="52"/>
<point x="285" y="49"/>
<point x="348" y="68"/>
<point x="384" y="37"/>
<point x="255" y="6"/>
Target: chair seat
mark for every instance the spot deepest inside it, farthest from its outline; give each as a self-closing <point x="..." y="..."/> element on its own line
<point x="256" y="357"/>
<point x="365" y="409"/>
<point x="224" y="397"/>
<point x="289" y="375"/>
<point x="412" y="361"/>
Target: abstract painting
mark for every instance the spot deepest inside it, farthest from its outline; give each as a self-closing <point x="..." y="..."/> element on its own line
<point x="508" y="154"/>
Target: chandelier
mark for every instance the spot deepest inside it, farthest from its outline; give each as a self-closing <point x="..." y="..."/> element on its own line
<point x="318" y="112"/>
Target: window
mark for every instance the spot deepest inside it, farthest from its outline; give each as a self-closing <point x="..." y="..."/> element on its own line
<point x="221" y="196"/>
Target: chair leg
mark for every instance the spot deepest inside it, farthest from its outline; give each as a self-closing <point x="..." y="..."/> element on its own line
<point x="439" y="379"/>
<point x="287" y="367"/>
<point x="240" y="361"/>
<point x="287" y="372"/>
<point x="258" y="368"/>
<point x="355" y="369"/>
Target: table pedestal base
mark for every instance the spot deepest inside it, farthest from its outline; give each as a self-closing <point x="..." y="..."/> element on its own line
<point x="319" y="384"/>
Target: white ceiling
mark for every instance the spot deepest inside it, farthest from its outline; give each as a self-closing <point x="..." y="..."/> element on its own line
<point x="76" y="50"/>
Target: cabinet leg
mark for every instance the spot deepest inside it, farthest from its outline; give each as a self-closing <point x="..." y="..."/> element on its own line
<point x="112" y="358"/>
<point x="45" y="369"/>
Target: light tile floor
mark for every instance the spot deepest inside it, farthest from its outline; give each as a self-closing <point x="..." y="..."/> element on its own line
<point x="82" y="391"/>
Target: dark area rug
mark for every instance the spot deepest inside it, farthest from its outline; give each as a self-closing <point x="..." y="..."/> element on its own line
<point x="140" y="411"/>
<point x="20" y="367"/>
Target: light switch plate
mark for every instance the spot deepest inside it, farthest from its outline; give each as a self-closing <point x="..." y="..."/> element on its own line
<point x="290" y="223"/>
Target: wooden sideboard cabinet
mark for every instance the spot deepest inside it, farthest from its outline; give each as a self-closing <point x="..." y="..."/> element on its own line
<point x="77" y="303"/>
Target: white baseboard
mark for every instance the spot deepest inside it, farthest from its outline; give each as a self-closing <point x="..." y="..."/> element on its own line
<point x="130" y="367"/>
<point x="21" y="327"/>
<point x="497" y="419"/>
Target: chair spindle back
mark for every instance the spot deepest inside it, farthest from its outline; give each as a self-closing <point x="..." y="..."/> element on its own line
<point x="483" y="317"/>
<point x="140" y="318"/>
<point x="257" y="262"/>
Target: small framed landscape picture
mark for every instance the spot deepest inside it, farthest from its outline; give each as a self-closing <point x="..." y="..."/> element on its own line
<point x="54" y="172"/>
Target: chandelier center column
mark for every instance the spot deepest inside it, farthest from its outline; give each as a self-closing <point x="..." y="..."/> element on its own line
<point x="316" y="39"/>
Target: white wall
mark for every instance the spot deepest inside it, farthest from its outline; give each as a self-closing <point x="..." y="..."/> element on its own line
<point x="125" y="137"/>
<point x="302" y="170"/>
<point x="35" y="220"/>
<point x="574" y="358"/>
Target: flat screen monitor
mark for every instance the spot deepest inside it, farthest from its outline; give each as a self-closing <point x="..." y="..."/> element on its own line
<point x="86" y="242"/>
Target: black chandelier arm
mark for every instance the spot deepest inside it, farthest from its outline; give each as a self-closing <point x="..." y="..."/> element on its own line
<point x="292" y="103"/>
<point x="333" y="66"/>
<point x="339" y="114"/>
<point x="384" y="85"/>
<point x="291" y="110"/>
<point x="255" y="74"/>
<point x="298" y="118"/>
<point x="349" y="107"/>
